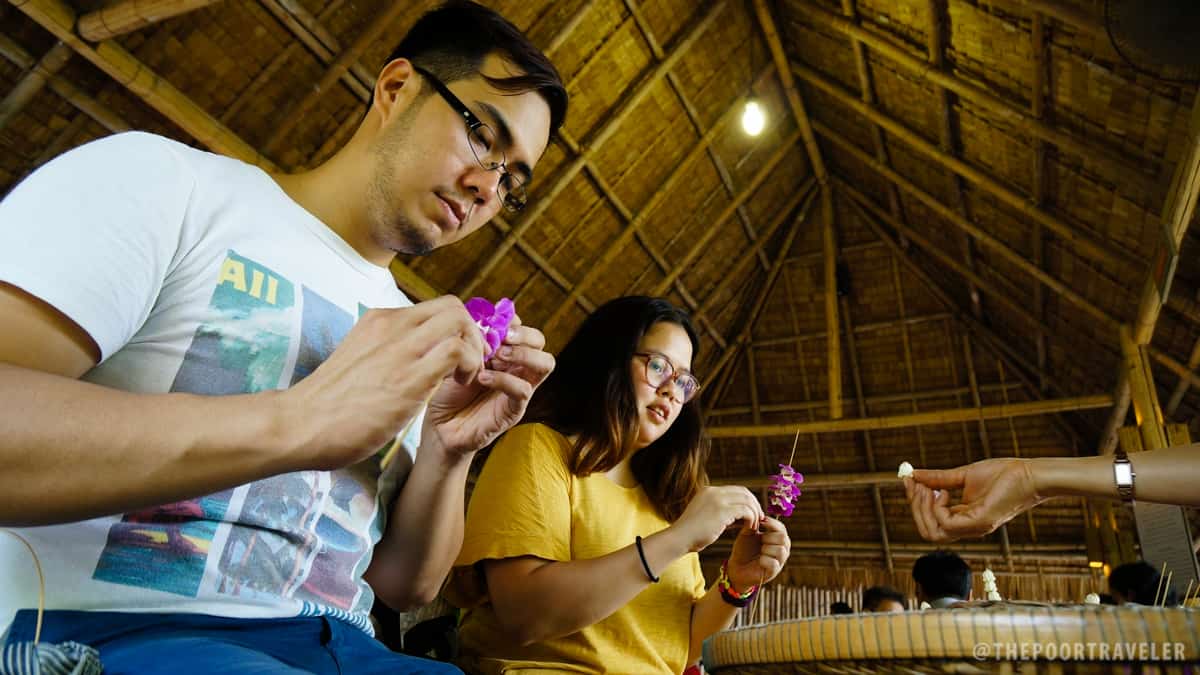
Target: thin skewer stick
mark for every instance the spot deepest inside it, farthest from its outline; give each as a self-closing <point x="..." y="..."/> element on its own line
<point x="794" y="442"/>
<point x="1161" y="576"/>
<point x="1188" y="591"/>
<point x="396" y="444"/>
<point x="1167" y="588"/>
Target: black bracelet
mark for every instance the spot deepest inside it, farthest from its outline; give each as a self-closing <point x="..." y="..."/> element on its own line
<point x="642" y="555"/>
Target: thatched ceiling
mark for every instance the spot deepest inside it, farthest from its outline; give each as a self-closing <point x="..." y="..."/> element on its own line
<point x="991" y="177"/>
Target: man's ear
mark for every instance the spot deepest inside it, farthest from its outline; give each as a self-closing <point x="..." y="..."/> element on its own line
<point x="396" y="88"/>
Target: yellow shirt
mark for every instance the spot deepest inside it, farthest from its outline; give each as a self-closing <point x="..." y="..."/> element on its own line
<point x="527" y="502"/>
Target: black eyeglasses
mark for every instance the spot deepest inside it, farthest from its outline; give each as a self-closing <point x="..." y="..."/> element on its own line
<point x="659" y="370"/>
<point x="484" y="146"/>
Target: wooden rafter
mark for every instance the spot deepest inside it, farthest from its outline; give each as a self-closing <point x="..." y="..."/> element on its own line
<point x="984" y="439"/>
<point x="977" y="280"/>
<point x="332" y="74"/>
<point x="813" y="151"/>
<point x="1037" y="99"/>
<point x="86" y="104"/>
<point x="906" y="343"/>
<point x="947" y="140"/>
<point x="998" y="345"/>
<point x="1070" y="235"/>
<point x="699" y="246"/>
<point x="826" y="505"/>
<point x="311" y="33"/>
<point x="58" y="18"/>
<point x="1114" y="161"/>
<point x="982" y="236"/>
<point x="922" y="395"/>
<point x="1179" y="208"/>
<point x="864" y="411"/>
<point x="612" y="123"/>
<point x="694" y="117"/>
<point x="804" y="194"/>
<point x="34" y="81"/>
<point x="931" y="417"/>
<point x="129" y="15"/>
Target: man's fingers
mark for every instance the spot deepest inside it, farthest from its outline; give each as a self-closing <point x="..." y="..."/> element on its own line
<point x="514" y="387"/>
<point x="536" y="364"/>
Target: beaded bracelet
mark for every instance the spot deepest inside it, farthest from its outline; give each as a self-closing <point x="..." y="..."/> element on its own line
<point x="730" y="594"/>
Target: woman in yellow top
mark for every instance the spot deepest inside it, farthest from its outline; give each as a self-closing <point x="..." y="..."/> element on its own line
<point x="586" y="521"/>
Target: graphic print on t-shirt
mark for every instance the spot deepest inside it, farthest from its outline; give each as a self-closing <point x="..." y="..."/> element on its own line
<point x="297" y="535"/>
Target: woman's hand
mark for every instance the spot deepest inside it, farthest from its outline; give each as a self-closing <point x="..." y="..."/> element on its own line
<point x="759" y="554"/>
<point x="993" y="492"/>
<point x="714" y="509"/>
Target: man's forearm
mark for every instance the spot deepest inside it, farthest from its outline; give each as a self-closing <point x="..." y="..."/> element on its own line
<point x="72" y="450"/>
<point x="424" y="532"/>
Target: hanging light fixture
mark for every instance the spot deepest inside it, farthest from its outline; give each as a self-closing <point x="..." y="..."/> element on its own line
<point x="753" y="118"/>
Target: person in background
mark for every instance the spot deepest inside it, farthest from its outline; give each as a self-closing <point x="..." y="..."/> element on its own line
<point x="840" y="607"/>
<point x="1139" y="583"/>
<point x="883" y="599"/>
<point x="942" y="579"/>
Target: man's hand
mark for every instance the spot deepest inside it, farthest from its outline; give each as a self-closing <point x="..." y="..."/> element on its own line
<point x="379" y="377"/>
<point x="993" y="492"/>
<point x="465" y="416"/>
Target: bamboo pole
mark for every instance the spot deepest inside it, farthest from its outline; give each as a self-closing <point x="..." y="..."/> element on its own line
<point x="946" y="138"/>
<point x="639" y="91"/>
<point x="634" y="222"/>
<point x="748" y="256"/>
<point x="832" y="336"/>
<point x="1178" y="210"/>
<point x="127" y="16"/>
<point x="701" y="243"/>
<point x="908" y="360"/>
<point x="1110" y="158"/>
<point x="981" y="235"/>
<point x="976" y="280"/>
<point x="35" y="79"/>
<point x="1184" y="373"/>
<point x="1041" y="67"/>
<point x="295" y="113"/>
<point x="1100" y="251"/>
<point x="69" y="92"/>
<point x="806" y="390"/>
<point x="802" y="406"/>
<point x="1142" y="392"/>
<point x="1181" y="389"/>
<point x="984" y="438"/>
<point x="932" y="417"/>
<point x="312" y="34"/>
<point x="864" y="411"/>
<point x="795" y="102"/>
<point x="413" y="284"/>
<point x="859" y="329"/>
<point x="693" y="116"/>
<point x="58" y="18"/>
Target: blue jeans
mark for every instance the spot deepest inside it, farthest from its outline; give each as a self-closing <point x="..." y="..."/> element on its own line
<point x="182" y="644"/>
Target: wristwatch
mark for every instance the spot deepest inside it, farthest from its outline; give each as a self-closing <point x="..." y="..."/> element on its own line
<point x="1123" y="475"/>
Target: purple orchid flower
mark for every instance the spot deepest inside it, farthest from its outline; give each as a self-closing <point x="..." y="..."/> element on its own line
<point x="493" y="320"/>
<point x="785" y="488"/>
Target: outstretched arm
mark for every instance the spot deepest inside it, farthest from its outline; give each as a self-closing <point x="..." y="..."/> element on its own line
<point x="996" y="490"/>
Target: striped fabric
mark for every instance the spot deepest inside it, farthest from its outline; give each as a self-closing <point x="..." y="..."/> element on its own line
<point x="67" y="658"/>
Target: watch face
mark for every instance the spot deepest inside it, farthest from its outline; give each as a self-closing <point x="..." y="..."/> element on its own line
<point x="1123" y="473"/>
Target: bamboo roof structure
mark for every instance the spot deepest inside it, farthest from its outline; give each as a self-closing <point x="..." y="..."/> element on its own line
<point x="928" y="255"/>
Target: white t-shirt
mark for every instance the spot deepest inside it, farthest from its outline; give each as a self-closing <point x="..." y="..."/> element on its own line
<point x="196" y="273"/>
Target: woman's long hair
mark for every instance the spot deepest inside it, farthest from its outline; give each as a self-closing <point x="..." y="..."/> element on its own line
<point x="590" y="394"/>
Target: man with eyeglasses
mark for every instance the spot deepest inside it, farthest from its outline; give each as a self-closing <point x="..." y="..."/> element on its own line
<point x="202" y="363"/>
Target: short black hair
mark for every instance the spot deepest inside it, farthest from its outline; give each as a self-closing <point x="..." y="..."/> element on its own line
<point x="942" y="574"/>
<point x="453" y="40"/>
<point x="840" y="607"/>
<point x="1139" y="582"/>
<point x="874" y="596"/>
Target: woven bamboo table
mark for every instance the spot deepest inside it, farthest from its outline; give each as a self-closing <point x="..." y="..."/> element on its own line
<point x="984" y="638"/>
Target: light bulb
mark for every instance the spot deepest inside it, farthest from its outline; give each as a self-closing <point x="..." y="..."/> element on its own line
<point x="753" y="119"/>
